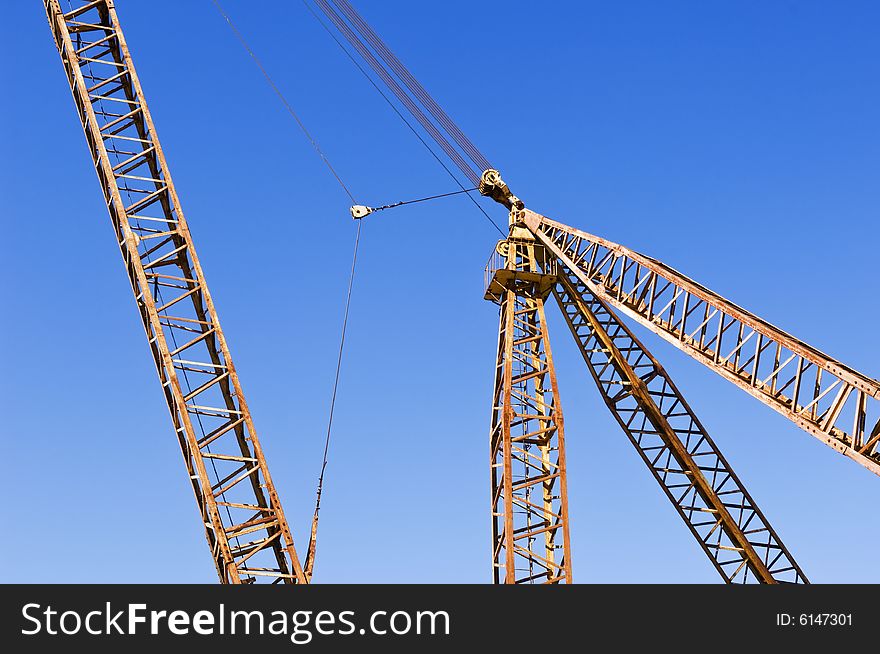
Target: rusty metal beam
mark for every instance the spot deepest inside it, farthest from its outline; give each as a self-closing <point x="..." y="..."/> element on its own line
<point x="530" y="535"/>
<point x="668" y="436"/>
<point x="225" y="463"/>
<point x="825" y="398"/>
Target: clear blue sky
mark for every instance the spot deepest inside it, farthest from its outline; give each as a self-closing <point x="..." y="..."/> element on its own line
<point x="738" y="142"/>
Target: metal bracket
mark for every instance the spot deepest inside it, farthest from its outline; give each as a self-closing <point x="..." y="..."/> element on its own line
<point x="492" y="186"/>
<point x="359" y="211"/>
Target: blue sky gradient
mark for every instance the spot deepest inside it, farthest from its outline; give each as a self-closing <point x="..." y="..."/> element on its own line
<point x="737" y="142"/>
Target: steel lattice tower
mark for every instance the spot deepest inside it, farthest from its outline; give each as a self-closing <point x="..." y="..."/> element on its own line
<point x="530" y="539"/>
<point x="247" y="532"/>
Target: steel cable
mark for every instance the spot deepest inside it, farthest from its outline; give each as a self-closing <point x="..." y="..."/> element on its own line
<point x="284" y="101"/>
<point x="310" y="555"/>
<point x="413" y="84"/>
<point x="400" y="115"/>
<point x="447" y="147"/>
<point x="401" y="95"/>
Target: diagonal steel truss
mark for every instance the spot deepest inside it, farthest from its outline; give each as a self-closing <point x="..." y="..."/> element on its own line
<point x="245" y="526"/>
<point x="827" y="399"/>
<point x="673" y="443"/>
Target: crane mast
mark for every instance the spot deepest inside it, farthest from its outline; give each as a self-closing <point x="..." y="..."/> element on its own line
<point x="247" y="532"/>
<point x="530" y="535"/>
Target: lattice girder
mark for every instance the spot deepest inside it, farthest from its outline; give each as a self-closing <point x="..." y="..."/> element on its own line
<point x="245" y="525"/>
<point x="827" y="399"/>
<point x="670" y="439"/>
<point x="530" y="538"/>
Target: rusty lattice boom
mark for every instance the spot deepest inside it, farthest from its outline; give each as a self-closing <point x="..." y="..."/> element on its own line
<point x="245" y="526"/>
<point x="822" y="396"/>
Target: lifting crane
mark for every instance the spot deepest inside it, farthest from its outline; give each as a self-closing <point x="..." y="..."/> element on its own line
<point x="590" y="279"/>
